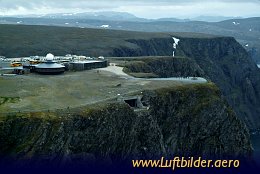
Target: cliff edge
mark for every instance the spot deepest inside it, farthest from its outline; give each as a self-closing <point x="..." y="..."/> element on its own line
<point x="184" y="120"/>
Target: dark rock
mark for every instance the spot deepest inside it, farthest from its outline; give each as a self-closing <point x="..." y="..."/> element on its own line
<point x="186" y="120"/>
<point x="222" y="60"/>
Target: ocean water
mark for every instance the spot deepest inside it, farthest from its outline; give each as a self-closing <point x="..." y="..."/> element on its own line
<point x="255" y="139"/>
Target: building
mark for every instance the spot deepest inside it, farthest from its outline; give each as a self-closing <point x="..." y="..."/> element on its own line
<point x="87" y="65"/>
<point x="49" y="66"/>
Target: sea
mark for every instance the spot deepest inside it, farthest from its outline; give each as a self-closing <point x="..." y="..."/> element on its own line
<point x="255" y="139"/>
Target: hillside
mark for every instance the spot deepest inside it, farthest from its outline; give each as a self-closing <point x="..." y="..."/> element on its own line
<point x="20" y="40"/>
<point x="23" y="40"/>
<point x="245" y="31"/>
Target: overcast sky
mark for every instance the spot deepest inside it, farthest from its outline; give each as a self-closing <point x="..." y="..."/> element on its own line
<point x="140" y="8"/>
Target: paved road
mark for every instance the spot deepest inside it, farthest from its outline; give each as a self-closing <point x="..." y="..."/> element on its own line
<point x="119" y="71"/>
<point x="116" y="70"/>
<point x="188" y="79"/>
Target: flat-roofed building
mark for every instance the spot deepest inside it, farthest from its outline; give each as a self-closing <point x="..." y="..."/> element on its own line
<point x="87" y="65"/>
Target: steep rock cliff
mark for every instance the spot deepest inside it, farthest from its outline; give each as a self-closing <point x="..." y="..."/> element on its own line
<point x="228" y="65"/>
<point x="166" y="67"/>
<point x="223" y="60"/>
<point x="196" y="118"/>
<point x="184" y="120"/>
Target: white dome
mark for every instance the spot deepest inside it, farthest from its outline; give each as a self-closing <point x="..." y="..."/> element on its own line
<point x="49" y="56"/>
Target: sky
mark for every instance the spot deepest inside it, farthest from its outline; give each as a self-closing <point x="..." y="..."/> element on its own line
<point x="141" y="8"/>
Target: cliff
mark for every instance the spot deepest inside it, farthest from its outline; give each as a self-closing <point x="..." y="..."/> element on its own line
<point x="165" y="67"/>
<point x="228" y="65"/>
<point x="184" y="120"/>
<point x="223" y="61"/>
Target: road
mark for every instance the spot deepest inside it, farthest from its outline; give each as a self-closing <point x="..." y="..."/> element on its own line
<point x="119" y="71"/>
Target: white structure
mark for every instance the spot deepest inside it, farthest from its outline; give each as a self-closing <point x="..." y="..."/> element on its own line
<point x="49" y="57"/>
<point x="105" y="26"/>
<point x="175" y="44"/>
<point x="236" y="23"/>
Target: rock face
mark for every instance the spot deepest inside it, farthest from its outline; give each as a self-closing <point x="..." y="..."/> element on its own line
<point x="194" y="120"/>
<point x="223" y="60"/>
<point x="150" y="47"/>
<point x="166" y="67"/>
<point x="228" y="65"/>
<point x="185" y="120"/>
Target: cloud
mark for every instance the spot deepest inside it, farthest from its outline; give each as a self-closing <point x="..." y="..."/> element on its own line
<point x="189" y="10"/>
<point x="142" y="8"/>
<point x="102" y="3"/>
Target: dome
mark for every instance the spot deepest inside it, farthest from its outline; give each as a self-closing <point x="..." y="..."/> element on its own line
<point x="49" y="57"/>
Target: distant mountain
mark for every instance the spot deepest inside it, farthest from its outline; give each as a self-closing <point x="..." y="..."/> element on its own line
<point x="213" y="18"/>
<point x="121" y="16"/>
<point x="246" y="31"/>
<point x="95" y="15"/>
<point x="173" y="20"/>
<point x="105" y="15"/>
